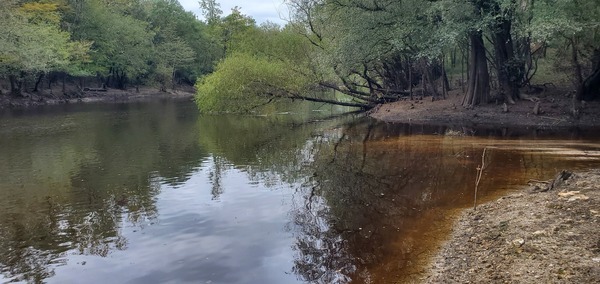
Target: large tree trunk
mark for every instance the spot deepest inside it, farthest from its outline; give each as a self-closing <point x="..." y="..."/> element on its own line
<point x="478" y="86"/>
<point x="589" y="89"/>
<point x="508" y="67"/>
<point x="523" y="43"/>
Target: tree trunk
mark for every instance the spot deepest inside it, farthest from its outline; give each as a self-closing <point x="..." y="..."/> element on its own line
<point x="576" y="65"/>
<point x="453" y="58"/>
<point x="462" y="70"/>
<point x="590" y="88"/>
<point x="410" y="80"/>
<point x="174" y="80"/>
<point x="423" y="84"/>
<point x="37" y="83"/>
<point x="120" y="78"/>
<point x="15" y="85"/>
<point x="107" y="79"/>
<point x="429" y="76"/>
<point x="478" y="85"/>
<point x="508" y="68"/>
<point x="525" y="9"/>
<point x="445" y="82"/>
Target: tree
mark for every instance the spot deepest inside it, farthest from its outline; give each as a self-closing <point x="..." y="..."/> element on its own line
<point x="121" y="46"/>
<point x="211" y="10"/>
<point x="572" y="26"/>
<point x="266" y="64"/>
<point x="233" y="28"/>
<point x="374" y="47"/>
<point x="33" y="44"/>
<point x="170" y="22"/>
<point x="173" y="54"/>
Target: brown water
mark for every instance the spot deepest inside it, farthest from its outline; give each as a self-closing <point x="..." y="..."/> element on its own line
<point x="155" y="193"/>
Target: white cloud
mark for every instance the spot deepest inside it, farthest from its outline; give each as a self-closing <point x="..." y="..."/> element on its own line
<point x="261" y="10"/>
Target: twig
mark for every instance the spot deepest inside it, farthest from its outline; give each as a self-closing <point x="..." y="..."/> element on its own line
<point x="479" y="173"/>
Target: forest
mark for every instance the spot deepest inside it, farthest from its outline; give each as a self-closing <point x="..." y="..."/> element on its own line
<point x="102" y="44"/>
<point x="358" y="53"/>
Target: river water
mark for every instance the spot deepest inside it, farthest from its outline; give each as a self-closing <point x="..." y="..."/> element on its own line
<point x="156" y="193"/>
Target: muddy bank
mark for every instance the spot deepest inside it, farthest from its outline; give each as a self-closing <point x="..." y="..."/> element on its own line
<point x="28" y="100"/>
<point x="526" y="237"/>
<point x="554" y="110"/>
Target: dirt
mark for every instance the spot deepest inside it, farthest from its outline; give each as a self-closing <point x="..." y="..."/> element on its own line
<point x="555" y="110"/>
<point x="527" y="237"/>
<point x="31" y="99"/>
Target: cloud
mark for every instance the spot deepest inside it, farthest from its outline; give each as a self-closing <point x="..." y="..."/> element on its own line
<point x="261" y="10"/>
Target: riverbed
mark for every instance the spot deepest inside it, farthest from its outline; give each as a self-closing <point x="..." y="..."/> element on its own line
<point x="154" y="192"/>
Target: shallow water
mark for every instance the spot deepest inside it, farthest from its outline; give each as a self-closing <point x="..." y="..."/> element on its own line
<point x="155" y="193"/>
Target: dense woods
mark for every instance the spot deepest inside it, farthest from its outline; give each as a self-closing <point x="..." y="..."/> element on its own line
<point x="358" y="53"/>
<point x="102" y="44"/>
<point x="376" y="51"/>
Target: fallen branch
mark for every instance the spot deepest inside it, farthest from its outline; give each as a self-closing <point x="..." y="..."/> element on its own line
<point x="553" y="183"/>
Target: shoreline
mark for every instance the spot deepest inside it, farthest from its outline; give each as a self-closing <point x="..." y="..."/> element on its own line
<point x="554" y="111"/>
<point x="32" y="100"/>
<point x="521" y="236"/>
<point x="526" y="236"/>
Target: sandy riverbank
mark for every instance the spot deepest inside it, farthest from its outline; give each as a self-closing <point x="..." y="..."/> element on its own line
<point x="526" y="237"/>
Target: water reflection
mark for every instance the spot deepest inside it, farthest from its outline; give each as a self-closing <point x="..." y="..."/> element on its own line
<point x="152" y="193"/>
<point x="71" y="180"/>
<point x="377" y="199"/>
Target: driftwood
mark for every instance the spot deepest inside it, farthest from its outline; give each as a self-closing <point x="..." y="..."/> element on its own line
<point x="553" y="183"/>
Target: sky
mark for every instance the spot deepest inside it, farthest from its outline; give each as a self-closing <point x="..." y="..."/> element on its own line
<point x="261" y="10"/>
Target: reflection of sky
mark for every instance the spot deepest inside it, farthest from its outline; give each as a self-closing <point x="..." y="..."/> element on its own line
<point x="239" y="238"/>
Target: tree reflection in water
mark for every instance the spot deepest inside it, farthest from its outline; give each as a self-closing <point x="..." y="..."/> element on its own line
<point x="374" y="202"/>
<point x="321" y="252"/>
<point x="367" y="195"/>
<point x="85" y="174"/>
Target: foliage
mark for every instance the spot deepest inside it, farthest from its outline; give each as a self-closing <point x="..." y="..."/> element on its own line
<point x="121" y="46"/>
<point x="32" y="42"/>
<point x="119" y="41"/>
<point x="372" y="51"/>
<point x="242" y="82"/>
<point x="171" y="22"/>
<point x="211" y="10"/>
<point x="372" y="46"/>
<point x="175" y="53"/>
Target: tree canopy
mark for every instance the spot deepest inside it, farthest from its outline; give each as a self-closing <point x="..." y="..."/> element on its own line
<point x="350" y="52"/>
<point x="119" y="42"/>
<point x="376" y="51"/>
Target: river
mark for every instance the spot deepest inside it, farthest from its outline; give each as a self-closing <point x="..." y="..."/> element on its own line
<point x="156" y="193"/>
